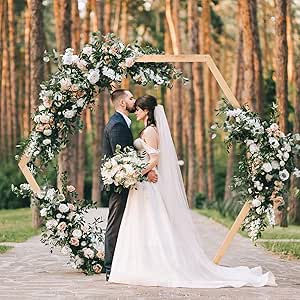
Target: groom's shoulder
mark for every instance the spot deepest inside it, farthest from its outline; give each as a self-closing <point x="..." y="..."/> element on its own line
<point x="114" y="119"/>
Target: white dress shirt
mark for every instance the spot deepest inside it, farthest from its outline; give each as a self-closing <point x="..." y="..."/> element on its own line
<point x="128" y="121"/>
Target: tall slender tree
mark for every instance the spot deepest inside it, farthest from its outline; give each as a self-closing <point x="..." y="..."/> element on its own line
<point x="98" y="8"/>
<point x="209" y="108"/>
<point x="257" y="59"/>
<point x="36" y="67"/>
<point x="193" y="19"/>
<point x="237" y="88"/>
<point x="27" y="102"/>
<point x="281" y="53"/>
<point x="248" y="50"/>
<point x="12" y="72"/>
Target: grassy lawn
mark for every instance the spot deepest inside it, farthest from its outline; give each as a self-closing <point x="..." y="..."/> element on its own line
<point x="15" y="226"/>
<point x="289" y="249"/>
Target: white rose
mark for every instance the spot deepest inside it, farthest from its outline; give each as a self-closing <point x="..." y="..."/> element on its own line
<point x="274" y="143"/>
<point x="275" y="164"/>
<point x="80" y="102"/>
<point x="70" y="188"/>
<point x="88" y="50"/>
<point x="63" y="208"/>
<point x="93" y="76"/>
<point x="267" y="167"/>
<point x="51" y="223"/>
<point x="274" y="127"/>
<point x="110" y="73"/>
<point x="47" y="142"/>
<point x="77" y="233"/>
<point x="296" y="172"/>
<point x="256" y="202"/>
<point x="69" y="113"/>
<point x="81" y="64"/>
<point x="67" y="59"/>
<point x="286" y="156"/>
<point x="284" y="175"/>
<point x="129" y="62"/>
<point x="43" y="212"/>
<point x="297" y="136"/>
<point x="65" y="84"/>
<point x="47" y="132"/>
<point x="88" y="253"/>
<point x="44" y="119"/>
<point x="65" y="250"/>
<point x="253" y="148"/>
<point x="75" y="59"/>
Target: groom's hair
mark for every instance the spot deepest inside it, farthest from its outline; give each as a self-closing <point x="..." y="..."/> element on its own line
<point x="117" y="94"/>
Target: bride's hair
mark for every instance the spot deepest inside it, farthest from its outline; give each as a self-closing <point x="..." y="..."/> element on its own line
<point x="147" y="102"/>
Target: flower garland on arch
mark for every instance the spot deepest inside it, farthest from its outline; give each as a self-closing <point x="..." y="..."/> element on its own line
<point x="105" y="61"/>
<point x="268" y="157"/>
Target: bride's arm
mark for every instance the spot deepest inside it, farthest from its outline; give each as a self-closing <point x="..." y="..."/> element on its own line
<point x="151" y="138"/>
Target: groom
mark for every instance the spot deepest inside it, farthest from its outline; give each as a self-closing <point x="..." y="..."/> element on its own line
<point x="117" y="131"/>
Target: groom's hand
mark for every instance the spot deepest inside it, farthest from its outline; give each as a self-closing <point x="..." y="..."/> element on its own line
<point x="152" y="176"/>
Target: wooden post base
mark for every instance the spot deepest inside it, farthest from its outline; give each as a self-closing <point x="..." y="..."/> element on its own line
<point x="231" y="233"/>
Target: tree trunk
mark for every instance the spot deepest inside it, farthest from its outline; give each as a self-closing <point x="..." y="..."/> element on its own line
<point x="27" y="109"/>
<point x="248" y="57"/>
<point x="98" y="7"/>
<point x="172" y="16"/>
<point x="281" y="53"/>
<point x="106" y="30"/>
<point x="58" y="25"/>
<point x="37" y="68"/>
<point x="237" y="88"/>
<point x="291" y="54"/>
<point x="63" y="38"/>
<point x="198" y="87"/>
<point x="294" y="79"/>
<point x="206" y="45"/>
<point x="168" y="102"/>
<point x="12" y="72"/>
<point x="193" y="20"/>
<point x="258" y="72"/>
<point x="4" y="117"/>
<point x="294" y="212"/>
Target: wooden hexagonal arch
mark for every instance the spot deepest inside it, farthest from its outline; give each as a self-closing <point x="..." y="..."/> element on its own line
<point x="190" y="58"/>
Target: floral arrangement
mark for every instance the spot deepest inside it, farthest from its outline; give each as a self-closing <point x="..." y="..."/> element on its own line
<point x="66" y="228"/>
<point x="101" y="64"/>
<point x="123" y="170"/>
<point x="269" y="162"/>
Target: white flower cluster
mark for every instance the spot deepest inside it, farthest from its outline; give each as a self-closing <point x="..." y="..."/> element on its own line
<point x="65" y="227"/>
<point x="123" y="170"/>
<point x="267" y="166"/>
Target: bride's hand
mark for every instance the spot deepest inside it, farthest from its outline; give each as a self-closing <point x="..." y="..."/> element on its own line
<point x="152" y="176"/>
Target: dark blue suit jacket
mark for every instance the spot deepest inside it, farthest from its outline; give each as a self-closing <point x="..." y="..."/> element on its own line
<point x="116" y="132"/>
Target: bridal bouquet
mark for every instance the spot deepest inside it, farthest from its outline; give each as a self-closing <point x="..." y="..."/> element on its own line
<point x="123" y="170"/>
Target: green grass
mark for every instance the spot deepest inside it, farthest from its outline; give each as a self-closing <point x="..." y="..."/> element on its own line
<point x="284" y="248"/>
<point x="3" y="249"/>
<point x="15" y="226"/>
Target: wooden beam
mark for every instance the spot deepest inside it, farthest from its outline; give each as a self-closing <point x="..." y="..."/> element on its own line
<point x="231" y="233"/>
<point x="169" y="58"/>
<point x="200" y="58"/>
<point x="28" y="175"/>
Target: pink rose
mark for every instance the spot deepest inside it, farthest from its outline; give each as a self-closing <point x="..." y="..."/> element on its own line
<point x="74" y="241"/>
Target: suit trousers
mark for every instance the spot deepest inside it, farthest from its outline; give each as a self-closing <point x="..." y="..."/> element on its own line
<point x="117" y="204"/>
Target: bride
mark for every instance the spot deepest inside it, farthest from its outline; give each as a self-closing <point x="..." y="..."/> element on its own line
<point x="157" y="243"/>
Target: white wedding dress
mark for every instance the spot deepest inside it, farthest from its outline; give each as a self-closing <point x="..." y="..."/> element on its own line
<point x="157" y="243"/>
